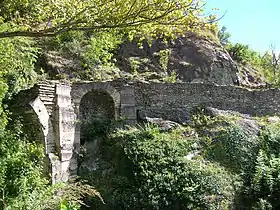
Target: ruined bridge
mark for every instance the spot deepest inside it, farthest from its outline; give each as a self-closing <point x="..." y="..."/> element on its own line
<point x="52" y="111"/>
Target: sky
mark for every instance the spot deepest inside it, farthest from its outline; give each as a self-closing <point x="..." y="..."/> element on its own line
<point x="252" y="22"/>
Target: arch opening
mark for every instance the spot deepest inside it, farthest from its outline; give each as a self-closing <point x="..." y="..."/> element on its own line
<point x="97" y="113"/>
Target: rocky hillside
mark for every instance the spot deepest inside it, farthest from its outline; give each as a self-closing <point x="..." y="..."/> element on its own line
<point x="193" y="58"/>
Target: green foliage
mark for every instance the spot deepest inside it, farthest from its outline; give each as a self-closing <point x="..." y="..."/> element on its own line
<point x="91" y="51"/>
<point x="224" y="36"/>
<point x="163" y="57"/>
<point x="225" y="142"/>
<point x="61" y="196"/>
<point x="99" y="127"/>
<point x="21" y="166"/>
<point x="265" y="181"/>
<point x="243" y="54"/>
<point x="147" y="18"/>
<point x="150" y="170"/>
<point x="17" y="69"/>
<point x="266" y="64"/>
<point x="233" y="148"/>
<point x="271" y="139"/>
<point x="172" y="78"/>
<point x="100" y="48"/>
<point x="270" y="67"/>
<point x="22" y="180"/>
<point x="18" y="57"/>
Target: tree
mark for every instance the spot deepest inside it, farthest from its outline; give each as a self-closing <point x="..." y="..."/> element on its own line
<point x="241" y="53"/>
<point x="224" y="36"/>
<point x="275" y="61"/>
<point x="38" y="18"/>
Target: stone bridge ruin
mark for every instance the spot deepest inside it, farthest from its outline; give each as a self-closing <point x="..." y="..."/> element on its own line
<point x="54" y="112"/>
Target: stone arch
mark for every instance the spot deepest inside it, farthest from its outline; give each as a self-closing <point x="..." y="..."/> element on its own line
<point x="79" y="90"/>
<point x="43" y="122"/>
<point x="96" y="106"/>
<point x="38" y="127"/>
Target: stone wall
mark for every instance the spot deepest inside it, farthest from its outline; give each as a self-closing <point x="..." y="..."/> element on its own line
<point x="60" y="109"/>
<point x="175" y="101"/>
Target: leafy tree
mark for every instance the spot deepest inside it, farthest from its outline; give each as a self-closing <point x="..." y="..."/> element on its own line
<point x="148" y="17"/>
<point x="271" y="65"/>
<point x="241" y="53"/>
<point x="224" y="36"/>
<point x="17" y="68"/>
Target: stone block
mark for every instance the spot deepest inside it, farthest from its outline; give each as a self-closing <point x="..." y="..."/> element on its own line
<point x="66" y="155"/>
<point x="127" y="96"/>
<point x="128" y="112"/>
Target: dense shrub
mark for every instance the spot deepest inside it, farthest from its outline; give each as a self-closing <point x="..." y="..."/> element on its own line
<point x="17" y="69"/>
<point x="23" y="181"/>
<point x="265" y="181"/>
<point x="261" y="191"/>
<point x="270" y="137"/>
<point x="235" y="149"/>
<point x="151" y="170"/>
<point x="21" y="166"/>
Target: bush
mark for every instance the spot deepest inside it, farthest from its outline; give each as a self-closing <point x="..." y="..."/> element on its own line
<point x="243" y="54"/>
<point x="150" y="170"/>
<point x="23" y="183"/>
<point x="21" y="166"/>
<point x="265" y="181"/>
<point x="271" y="139"/>
<point x="261" y="191"/>
<point x="233" y="148"/>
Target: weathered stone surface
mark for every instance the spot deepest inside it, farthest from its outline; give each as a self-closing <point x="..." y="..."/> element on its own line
<point x="250" y="126"/>
<point x="185" y="96"/>
<point x="163" y="125"/>
<point x="90" y="152"/>
<point x="179" y="115"/>
<point x="250" y="77"/>
<point x="193" y="58"/>
<point x="56" y="63"/>
<point x="245" y="121"/>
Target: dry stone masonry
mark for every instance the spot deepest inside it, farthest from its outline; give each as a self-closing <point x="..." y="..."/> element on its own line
<point x="57" y="110"/>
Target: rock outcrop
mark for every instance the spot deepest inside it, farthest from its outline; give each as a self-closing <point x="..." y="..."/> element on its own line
<point x="250" y="126"/>
<point x="192" y="58"/>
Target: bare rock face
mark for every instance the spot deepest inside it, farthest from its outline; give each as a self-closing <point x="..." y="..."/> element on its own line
<point x="163" y="125"/>
<point x="250" y="77"/>
<point x="192" y="58"/>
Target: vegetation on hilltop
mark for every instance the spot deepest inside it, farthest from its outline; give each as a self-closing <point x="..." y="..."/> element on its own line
<point x="266" y="63"/>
